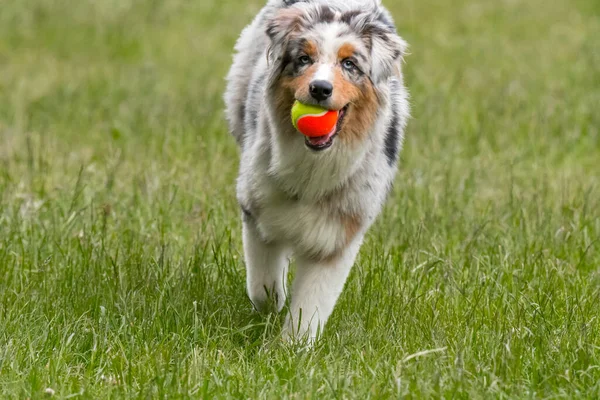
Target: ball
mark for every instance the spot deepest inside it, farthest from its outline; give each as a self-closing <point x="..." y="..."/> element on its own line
<point x="313" y="121"/>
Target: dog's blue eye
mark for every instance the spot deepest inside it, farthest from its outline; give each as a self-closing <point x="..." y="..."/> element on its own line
<point x="349" y="65"/>
<point x="304" y="60"/>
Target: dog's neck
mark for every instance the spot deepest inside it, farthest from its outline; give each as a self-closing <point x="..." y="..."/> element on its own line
<point x="303" y="173"/>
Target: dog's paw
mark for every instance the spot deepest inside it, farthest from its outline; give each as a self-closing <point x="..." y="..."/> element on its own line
<point x="265" y="302"/>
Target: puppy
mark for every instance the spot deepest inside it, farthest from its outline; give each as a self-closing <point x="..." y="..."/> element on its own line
<point x="313" y="200"/>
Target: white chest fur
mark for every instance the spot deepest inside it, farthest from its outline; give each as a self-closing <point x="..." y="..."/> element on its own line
<point x="310" y="228"/>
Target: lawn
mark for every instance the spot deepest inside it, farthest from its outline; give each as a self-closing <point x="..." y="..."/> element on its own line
<point x="121" y="273"/>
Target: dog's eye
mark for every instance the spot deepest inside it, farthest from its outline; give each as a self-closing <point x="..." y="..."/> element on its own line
<point x="348" y="65"/>
<point x="304" y="60"/>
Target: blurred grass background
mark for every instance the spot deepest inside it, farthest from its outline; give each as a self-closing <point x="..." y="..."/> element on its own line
<point x="120" y="253"/>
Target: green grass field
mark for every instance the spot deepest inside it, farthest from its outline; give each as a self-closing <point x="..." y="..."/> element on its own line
<point x="121" y="273"/>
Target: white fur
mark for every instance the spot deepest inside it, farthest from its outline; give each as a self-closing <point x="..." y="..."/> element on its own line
<point x="266" y="285"/>
<point x="316" y="289"/>
<point x="324" y="73"/>
<point x="293" y="197"/>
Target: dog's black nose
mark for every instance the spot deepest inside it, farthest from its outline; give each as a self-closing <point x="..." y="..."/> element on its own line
<point x="321" y="90"/>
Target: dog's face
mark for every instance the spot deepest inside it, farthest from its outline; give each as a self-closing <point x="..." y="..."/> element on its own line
<point x="335" y="60"/>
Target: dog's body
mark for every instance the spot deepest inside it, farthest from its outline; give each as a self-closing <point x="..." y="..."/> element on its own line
<point x="313" y="201"/>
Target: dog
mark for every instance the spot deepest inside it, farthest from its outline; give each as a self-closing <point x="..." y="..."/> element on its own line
<point x="313" y="199"/>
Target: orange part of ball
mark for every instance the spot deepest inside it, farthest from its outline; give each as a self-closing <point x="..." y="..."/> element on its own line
<point x="312" y="126"/>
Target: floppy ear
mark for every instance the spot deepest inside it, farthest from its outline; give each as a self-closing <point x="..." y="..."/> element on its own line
<point x="280" y="28"/>
<point x="379" y="33"/>
<point x="387" y="51"/>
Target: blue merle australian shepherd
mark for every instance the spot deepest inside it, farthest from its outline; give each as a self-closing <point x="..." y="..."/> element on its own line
<point x="314" y="202"/>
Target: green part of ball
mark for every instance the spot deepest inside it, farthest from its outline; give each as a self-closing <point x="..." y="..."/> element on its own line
<point x="301" y="109"/>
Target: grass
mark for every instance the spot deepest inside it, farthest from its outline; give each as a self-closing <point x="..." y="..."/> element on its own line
<point x="121" y="273"/>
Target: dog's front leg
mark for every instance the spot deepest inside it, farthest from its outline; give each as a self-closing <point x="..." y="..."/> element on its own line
<point x="316" y="288"/>
<point x="266" y="270"/>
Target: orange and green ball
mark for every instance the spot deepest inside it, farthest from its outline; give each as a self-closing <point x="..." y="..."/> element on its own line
<point x="313" y="121"/>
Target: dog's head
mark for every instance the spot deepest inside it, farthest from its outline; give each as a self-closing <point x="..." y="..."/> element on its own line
<point x="337" y="59"/>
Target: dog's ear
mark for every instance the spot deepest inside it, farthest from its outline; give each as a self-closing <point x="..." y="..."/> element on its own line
<point x="280" y="29"/>
<point x="387" y="48"/>
<point x="387" y="52"/>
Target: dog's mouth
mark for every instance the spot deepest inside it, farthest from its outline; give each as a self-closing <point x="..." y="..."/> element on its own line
<point x="321" y="143"/>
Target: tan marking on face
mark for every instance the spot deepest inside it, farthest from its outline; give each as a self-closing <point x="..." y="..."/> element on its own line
<point x="346" y="51"/>
<point x="344" y="91"/>
<point x="362" y="111"/>
<point x="311" y="49"/>
<point x="288" y="89"/>
<point x="299" y="86"/>
<point x="283" y="100"/>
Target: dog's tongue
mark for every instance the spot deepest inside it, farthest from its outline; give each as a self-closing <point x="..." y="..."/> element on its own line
<point x="320" y="140"/>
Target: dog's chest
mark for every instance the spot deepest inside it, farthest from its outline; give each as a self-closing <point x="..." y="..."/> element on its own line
<point x="312" y="228"/>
